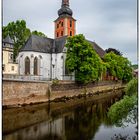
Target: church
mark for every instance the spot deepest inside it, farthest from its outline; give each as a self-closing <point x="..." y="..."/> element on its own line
<point x="45" y="57"/>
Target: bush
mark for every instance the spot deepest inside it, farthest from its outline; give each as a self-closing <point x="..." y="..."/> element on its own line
<point x="132" y="87"/>
<point x="55" y="82"/>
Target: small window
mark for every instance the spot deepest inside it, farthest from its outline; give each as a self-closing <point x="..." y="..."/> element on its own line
<point x="57" y="25"/>
<point x="11" y="56"/>
<point x="12" y="68"/>
<point x="61" y="33"/>
<point x="57" y="34"/>
<point x="3" y="67"/>
<point x="62" y="24"/>
<point x="70" y="23"/>
<point x="70" y="33"/>
<point x="62" y="57"/>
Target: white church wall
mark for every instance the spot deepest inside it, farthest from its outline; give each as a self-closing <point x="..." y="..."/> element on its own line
<point x="60" y="66"/>
<point x="44" y="61"/>
<point x="53" y="65"/>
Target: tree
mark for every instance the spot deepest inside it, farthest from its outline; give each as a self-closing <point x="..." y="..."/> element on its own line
<point x="83" y="60"/>
<point x="118" y="66"/>
<point x="38" y="33"/>
<point x="19" y="33"/>
<point x="117" y="52"/>
<point x="126" y="108"/>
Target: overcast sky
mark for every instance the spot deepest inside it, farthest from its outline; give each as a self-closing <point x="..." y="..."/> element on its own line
<point x="110" y="23"/>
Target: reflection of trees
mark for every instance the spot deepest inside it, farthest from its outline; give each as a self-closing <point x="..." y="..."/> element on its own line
<point x="126" y="109"/>
<point x="120" y="137"/>
<point x="85" y="121"/>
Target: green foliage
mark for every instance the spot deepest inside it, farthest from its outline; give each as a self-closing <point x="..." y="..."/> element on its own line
<point x="55" y="82"/>
<point x="82" y="59"/>
<point x="121" y="109"/>
<point x="132" y="87"/>
<point x="118" y="66"/>
<point x="38" y="33"/>
<point x="19" y="33"/>
<point x="117" y="52"/>
<point x="134" y="66"/>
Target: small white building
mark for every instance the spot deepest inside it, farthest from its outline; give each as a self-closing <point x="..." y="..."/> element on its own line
<point x="9" y="67"/>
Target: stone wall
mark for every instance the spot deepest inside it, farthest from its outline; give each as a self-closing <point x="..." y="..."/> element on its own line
<point x="25" y="92"/>
<point x="71" y="90"/>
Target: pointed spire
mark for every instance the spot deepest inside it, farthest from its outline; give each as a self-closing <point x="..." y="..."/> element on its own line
<point x="65" y="3"/>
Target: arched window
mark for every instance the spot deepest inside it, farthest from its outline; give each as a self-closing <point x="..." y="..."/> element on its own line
<point x="27" y="66"/>
<point x="35" y="66"/>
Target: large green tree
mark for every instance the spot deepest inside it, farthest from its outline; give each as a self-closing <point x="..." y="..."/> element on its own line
<point x="83" y="60"/>
<point x="117" y="52"/>
<point x="118" y="66"/>
<point x="19" y="33"/>
<point x="38" y="33"/>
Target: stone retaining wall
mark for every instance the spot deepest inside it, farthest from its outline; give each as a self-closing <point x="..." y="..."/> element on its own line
<point x="25" y="92"/>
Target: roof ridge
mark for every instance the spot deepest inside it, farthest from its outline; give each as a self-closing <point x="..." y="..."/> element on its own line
<point x="42" y="37"/>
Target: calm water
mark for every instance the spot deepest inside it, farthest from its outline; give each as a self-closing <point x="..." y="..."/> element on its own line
<point x="81" y="119"/>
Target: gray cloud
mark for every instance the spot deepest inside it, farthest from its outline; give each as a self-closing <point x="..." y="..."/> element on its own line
<point x="111" y="23"/>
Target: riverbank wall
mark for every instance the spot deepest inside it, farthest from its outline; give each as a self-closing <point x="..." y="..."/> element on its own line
<point x="19" y="93"/>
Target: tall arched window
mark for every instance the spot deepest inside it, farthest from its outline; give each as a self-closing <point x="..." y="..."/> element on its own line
<point x="27" y="66"/>
<point x="35" y="66"/>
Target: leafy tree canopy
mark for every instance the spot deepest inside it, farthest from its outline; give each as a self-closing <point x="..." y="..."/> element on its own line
<point x="117" y="52"/>
<point x="83" y="60"/>
<point x="38" y="33"/>
<point x="19" y="33"/>
<point x="135" y="66"/>
<point x="118" y="66"/>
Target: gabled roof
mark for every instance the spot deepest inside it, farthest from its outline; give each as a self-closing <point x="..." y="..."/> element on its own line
<point x="47" y="45"/>
<point x="44" y="44"/>
<point x="38" y="44"/>
<point x="98" y="49"/>
<point x="8" y="40"/>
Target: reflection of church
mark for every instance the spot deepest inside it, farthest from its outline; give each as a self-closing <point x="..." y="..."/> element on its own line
<point x="45" y="57"/>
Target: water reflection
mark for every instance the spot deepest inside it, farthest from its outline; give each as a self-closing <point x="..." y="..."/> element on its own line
<point x="85" y="121"/>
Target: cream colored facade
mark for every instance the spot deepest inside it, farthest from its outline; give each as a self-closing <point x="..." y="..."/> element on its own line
<point x="8" y="67"/>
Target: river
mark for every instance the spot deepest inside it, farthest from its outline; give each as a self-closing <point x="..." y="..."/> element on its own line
<point x="78" y="119"/>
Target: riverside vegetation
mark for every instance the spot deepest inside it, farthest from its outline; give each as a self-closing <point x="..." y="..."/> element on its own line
<point x="126" y="110"/>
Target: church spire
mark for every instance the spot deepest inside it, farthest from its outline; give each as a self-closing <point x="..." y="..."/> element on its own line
<point x="65" y="3"/>
<point x="65" y="23"/>
<point x="65" y="10"/>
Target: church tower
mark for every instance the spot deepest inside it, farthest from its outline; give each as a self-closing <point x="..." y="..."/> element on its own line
<point x="65" y="23"/>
